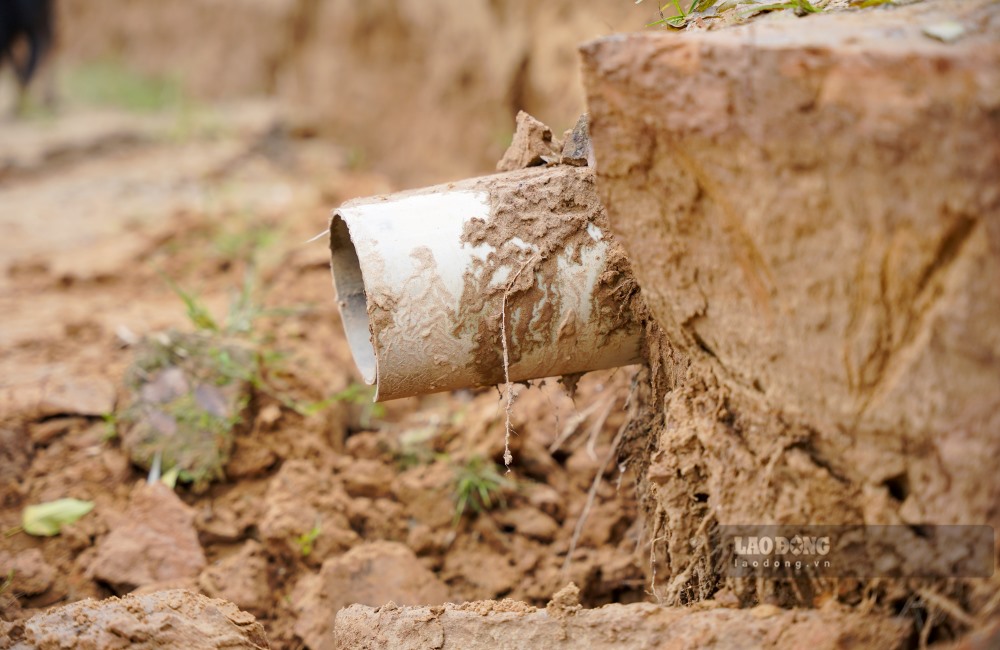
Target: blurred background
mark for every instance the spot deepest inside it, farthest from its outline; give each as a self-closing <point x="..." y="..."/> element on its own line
<point x="421" y="91"/>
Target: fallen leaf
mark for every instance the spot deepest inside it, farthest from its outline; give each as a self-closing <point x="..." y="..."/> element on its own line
<point x="47" y="519"/>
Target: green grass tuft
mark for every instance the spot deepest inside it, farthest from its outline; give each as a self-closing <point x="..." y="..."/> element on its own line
<point x="478" y="486"/>
<point x="111" y="84"/>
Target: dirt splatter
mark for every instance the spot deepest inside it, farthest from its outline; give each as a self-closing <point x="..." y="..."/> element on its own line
<point x="536" y="216"/>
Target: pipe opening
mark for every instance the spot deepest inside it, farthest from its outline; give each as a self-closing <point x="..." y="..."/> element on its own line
<point x="350" y="287"/>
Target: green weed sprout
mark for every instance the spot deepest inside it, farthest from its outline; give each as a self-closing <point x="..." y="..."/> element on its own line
<point x="478" y="485"/>
<point x="307" y="540"/>
<point x="687" y="10"/>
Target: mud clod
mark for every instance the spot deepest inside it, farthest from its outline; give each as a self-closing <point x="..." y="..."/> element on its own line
<point x="565" y="602"/>
<point x="165" y="619"/>
<point x="577" y="149"/>
<point x="532" y="145"/>
<point x="153" y="541"/>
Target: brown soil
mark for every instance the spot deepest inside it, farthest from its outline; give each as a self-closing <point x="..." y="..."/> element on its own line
<point x="92" y="221"/>
<point x="166" y="619"/>
<point x="508" y="626"/>
<point x="818" y="240"/>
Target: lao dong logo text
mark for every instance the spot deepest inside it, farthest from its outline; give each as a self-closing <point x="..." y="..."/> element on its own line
<point x="797" y="552"/>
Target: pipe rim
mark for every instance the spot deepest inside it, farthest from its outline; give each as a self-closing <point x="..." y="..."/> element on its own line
<point x="348" y="281"/>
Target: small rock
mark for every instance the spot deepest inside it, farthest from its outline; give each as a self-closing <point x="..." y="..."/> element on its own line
<point x="154" y="542"/>
<point x="765" y="610"/>
<point x="371" y="574"/>
<point x="165" y="619"/>
<point x="300" y="498"/>
<point x="420" y="490"/>
<point x="529" y="522"/>
<point x="565" y="602"/>
<point x="532" y="145"/>
<point x="42" y="433"/>
<point x="240" y="578"/>
<point x="481" y="571"/>
<point x="578" y="151"/>
<point x="368" y="478"/>
<point x="269" y="415"/>
<point x="366" y="444"/>
<point x="250" y="459"/>
<point x="15" y="457"/>
<point x="91" y="396"/>
<point x="547" y="499"/>
<point x="32" y="575"/>
<point x="218" y="525"/>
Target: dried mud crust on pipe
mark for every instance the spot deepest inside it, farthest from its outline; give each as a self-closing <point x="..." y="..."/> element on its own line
<point x="424" y="278"/>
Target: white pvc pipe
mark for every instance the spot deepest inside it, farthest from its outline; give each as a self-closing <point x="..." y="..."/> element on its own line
<point x="424" y="279"/>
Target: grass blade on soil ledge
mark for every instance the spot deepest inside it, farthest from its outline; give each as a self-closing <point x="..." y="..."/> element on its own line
<point x="704" y="13"/>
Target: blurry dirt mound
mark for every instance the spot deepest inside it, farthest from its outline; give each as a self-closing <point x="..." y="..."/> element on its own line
<point x="166" y="619"/>
<point x="508" y="625"/>
<point x="425" y="91"/>
<point x="820" y="242"/>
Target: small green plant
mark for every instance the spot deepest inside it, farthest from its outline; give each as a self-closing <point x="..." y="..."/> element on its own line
<point x="245" y="309"/>
<point x="684" y="11"/>
<point x="110" y="427"/>
<point x="799" y="6"/>
<point x="356" y="393"/>
<point x="307" y="540"/>
<point x="243" y="245"/>
<point x="7" y="582"/>
<point x="356" y="159"/>
<point x="364" y="397"/>
<point x="112" y="83"/>
<point x="197" y="312"/>
<point x="416" y="446"/>
<point x="681" y="18"/>
<point x="478" y="486"/>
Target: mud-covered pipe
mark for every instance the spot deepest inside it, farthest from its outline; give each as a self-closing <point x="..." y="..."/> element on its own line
<point x="434" y="284"/>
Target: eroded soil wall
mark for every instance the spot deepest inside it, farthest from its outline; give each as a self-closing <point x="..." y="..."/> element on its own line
<point x="812" y="209"/>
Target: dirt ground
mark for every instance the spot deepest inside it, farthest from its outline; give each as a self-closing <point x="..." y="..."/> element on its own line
<point x="106" y="216"/>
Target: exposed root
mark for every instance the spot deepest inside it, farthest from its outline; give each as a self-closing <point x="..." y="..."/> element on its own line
<point x="572" y="425"/>
<point x="592" y="494"/>
<point x="990" y="607"/>
<point x="595" y="429"/>
<point x="948" y="607"/>
<point x="631" y="405"/>
<point x="679" y="583"/>
<point x="652" y="565"/>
